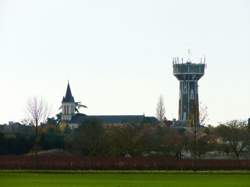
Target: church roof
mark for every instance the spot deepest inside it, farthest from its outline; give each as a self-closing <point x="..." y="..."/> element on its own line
<point x="68" y="96"/>
<point x="119" y="118"/>
<point x="113" y="119"/>
<point x="78" y="118"/>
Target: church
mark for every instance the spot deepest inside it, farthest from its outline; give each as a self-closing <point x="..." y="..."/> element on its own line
<point x="71" y="116"/>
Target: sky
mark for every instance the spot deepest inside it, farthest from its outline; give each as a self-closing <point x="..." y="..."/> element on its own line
<point x="118" y="54"/>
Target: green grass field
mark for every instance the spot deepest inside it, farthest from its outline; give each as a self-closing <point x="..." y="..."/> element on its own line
<point x="128" y="179"/>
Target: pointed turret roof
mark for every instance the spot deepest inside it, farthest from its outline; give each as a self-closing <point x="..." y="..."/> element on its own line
<point x="68" y="96"/>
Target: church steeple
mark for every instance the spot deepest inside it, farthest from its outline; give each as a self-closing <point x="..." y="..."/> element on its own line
<point x="68" y="105"/>
<point x="68" y="96"/>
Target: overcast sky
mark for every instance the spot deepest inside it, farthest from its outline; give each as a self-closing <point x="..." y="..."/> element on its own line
<point x="117" y="54"/>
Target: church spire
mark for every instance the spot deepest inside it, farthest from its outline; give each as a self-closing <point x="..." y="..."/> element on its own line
<point x="68" y="96"/>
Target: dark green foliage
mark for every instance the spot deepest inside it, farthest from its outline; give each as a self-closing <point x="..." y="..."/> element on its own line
<point x="93" y="138"/>
<point x="52" y="121"/>
<point x="15" y="143"/>
<point x="51" y="139"/>
<point x="121" y="141"/>
<point x="88" y="139"/>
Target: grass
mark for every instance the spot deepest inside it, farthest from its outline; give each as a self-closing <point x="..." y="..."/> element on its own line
<point x="124" y="179"/>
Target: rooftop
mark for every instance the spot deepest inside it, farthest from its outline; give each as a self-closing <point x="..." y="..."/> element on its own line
<point x="113" y="119"/>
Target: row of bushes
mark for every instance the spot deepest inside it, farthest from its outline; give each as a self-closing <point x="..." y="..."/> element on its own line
<point x="103" y="163"/>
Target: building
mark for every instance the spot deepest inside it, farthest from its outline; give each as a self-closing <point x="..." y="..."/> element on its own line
<point x="73" y="118"/>
<point x="188" y="74"/>
<point x="68" y="105"/>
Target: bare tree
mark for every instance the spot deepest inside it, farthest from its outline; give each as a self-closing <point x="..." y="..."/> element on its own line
<point x="235" y="136"/>
<point x="203" y="114"/>
<point x="160" y="109"/>
<point x="37" y="110"/>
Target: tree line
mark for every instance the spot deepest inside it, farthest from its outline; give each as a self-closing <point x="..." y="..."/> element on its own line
<point x="93" y="138"/>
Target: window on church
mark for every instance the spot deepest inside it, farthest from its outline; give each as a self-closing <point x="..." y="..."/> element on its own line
<point x="67" y="110"/>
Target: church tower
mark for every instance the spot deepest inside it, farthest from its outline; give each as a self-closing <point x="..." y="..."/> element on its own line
<point x="68" y="105"/>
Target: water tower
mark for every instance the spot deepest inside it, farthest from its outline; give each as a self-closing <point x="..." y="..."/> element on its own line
<point x="188" y="74"/>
